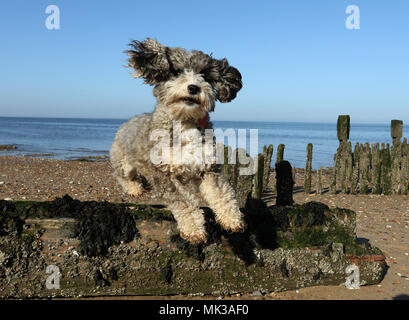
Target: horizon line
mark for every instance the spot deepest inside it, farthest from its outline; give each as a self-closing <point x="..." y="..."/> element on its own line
<point x="260" y="121"/>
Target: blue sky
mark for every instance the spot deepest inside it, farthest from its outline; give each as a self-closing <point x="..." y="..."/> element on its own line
<point x="298" y="60"/>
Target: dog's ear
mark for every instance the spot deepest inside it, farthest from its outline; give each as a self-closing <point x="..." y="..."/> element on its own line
<point x="229" y="82"/>
<point x="150" y="60"/>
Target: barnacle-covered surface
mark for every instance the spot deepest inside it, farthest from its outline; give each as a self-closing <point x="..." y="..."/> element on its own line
<point x="105" y="248"/>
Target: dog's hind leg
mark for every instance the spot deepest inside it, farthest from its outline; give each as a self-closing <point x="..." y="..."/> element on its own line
<point x="128" y="178"/>
<point x="221" y="198"/>
<point x="190" y="221"/>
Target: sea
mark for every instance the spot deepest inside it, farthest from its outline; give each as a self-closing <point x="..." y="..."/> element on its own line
<point x="65" y="138"/>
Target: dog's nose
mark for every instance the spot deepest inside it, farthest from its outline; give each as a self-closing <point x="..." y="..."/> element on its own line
<point x="193" y="89"/>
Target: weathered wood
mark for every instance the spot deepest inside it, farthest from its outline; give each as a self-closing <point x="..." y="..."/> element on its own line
<point x="386" y="182"/>
<point x="319" y="181"/>
<point x="227" y="163"/>
<point x="355" y="169"/>
<point x="333" y="177"/>
<point x="405" y="168"/>
<point x="364" y="169"/>
<point x="273" y="181"/>
<point x="267" y="153"/>
<point x="339" y="160"/>
<point x="396" y="131"/>
<point x="258" y="178"/>
<point x="280" y="153"/>
<point x="231" y="169"/>
<point x="308" y="169"/>
<point x="376" y="169"/>
<point x="285" y="184"/>
<point x="349" y="168"/>
<point x="343" y="127"/>
<point x="396" y="172"/>
<point x="345" y="165"/>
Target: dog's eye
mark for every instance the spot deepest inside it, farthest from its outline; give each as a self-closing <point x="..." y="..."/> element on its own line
<point x="208" y="75"/>
<point x="205" y="76"/>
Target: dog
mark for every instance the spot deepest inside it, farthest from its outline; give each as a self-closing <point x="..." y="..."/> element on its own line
<point x="186" y="86"/>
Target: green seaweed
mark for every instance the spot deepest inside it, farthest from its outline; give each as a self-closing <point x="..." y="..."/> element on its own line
<point x="313" y="224"/>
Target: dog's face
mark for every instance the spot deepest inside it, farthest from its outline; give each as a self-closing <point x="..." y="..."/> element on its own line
<point x="187" y="95"/>
<point x="188" y="83"/>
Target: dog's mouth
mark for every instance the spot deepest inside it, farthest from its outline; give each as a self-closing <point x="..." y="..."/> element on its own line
<point x="189" y="100"/>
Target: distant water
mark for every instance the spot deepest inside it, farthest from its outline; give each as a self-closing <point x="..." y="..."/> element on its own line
<point x="75" y="138"/>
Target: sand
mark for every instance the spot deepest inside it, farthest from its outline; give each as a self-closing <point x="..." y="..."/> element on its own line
<point x="384" y="220"/>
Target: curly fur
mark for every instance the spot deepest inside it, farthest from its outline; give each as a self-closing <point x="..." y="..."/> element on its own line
<point x="181" y="185"/>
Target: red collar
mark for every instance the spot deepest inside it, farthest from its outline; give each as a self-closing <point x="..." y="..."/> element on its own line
<point x="203" y="122"/>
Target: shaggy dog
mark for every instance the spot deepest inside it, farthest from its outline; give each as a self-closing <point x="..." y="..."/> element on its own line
<point x="186" y="86"/>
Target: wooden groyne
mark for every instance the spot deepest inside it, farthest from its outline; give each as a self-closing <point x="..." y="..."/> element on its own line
<point x="364" y="168"/>
<point x="376" y="169"/>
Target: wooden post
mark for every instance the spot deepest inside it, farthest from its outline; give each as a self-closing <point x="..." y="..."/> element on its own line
<point x="355" y="169"/>
<point x="227" y="166"/>
<point x="280" y="153"/>
<point x="405" y="167"/>
<point x="364" y="170"/>
<point x="396" y="172"/>
<point x="396" y="131"/>
<point x="333" y="178"/>
<point x="285" y="184"/>
<point x="369" y="152"/>
<point x="376" y="169"/>
<point x="279" y="158"/>
<point x="319" y="181"/>
<point x="350" y="166"/>
<point x="341" y="157"/>
<point x="396" y="157"/>
<point x="386" y="170"/>
<point x="258" y="178"/>
<point x="242" y="184"/>
<point x="346" y="163"/>
<point x="308" y="168"/>
<point x="343" y="127"/>
<point x="268" y="153"/>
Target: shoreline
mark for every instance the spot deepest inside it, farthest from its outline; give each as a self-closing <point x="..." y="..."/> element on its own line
<point x="384" y="220"/>
<point x="10" y="150"/>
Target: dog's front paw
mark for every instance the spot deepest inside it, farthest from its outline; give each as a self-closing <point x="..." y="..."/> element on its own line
<point x="232" y="224"/>
<point x="136" y="194"/>
<point x="132" y="188"/>
<point x="239" y="227"/>
<point x="195" y="238"/>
